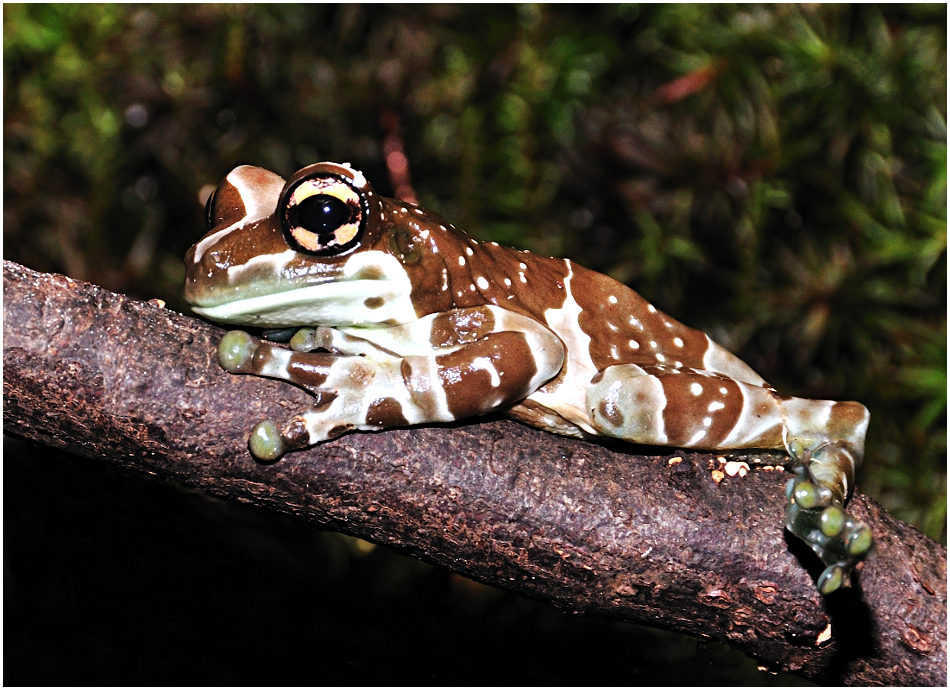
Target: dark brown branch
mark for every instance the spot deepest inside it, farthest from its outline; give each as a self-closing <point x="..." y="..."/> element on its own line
<point x="597" y="530"/>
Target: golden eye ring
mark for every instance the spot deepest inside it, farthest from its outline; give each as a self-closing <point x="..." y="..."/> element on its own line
<point x="322" y="213"/>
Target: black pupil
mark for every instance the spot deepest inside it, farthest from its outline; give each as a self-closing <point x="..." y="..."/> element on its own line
<point x="321" y="213"/>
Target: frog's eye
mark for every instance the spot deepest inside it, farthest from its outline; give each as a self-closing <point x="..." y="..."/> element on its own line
<point x="322" y="213"/>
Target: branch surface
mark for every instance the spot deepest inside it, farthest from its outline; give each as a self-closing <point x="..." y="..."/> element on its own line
<point x="647" y="538"/>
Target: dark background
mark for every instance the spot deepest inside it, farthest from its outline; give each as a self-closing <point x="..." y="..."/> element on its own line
<point x="774" y="175"/>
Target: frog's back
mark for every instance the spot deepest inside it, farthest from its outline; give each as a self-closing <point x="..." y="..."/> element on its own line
<point x="601" y="322"/>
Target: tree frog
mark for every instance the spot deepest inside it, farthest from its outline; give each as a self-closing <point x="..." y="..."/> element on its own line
<point x="399" y="318"/>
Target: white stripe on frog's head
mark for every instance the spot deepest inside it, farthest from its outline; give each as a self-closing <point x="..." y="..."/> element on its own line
<point x="256" y="189"/>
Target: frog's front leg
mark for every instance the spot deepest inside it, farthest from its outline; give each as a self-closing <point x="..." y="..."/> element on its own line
<point x="440" y="368"/>
<point x="700" y="409"/>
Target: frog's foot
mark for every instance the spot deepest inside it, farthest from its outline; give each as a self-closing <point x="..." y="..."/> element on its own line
<point x="814" y="514"/>
<point x="240" y="353"/>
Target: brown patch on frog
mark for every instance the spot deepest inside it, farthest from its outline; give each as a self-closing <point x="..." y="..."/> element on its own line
<point x="295" y="433"/>
<point x="845" y="417"/>
<point x="339" y="430"/>
<point x="374" y="302"/>
<point x="611" y="412"/>
<point x="461" y="326"/>
<point x="686" y="411"/>
<point x="469" y="389"/>
<point x="226" y="206"/>
<point x="309" y="369"/>
<point x="386" y="412"/>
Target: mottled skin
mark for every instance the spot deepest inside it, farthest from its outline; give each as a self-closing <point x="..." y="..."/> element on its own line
<point x="404" y="320"/>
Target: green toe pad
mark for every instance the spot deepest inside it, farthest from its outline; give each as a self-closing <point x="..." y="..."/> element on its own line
<point x="841" y="540"/>
<point x="236" y="351"/>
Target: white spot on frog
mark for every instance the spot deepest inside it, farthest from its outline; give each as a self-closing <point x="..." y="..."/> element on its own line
<point x="482" y="283"/>
<point x="678" y="342"/>
<point x="358" y="178"/>
<point x="485" y="364"/>
<point x="461" y="260"/>
<point x="612" y="299"/>
<point x="695" y="388"/>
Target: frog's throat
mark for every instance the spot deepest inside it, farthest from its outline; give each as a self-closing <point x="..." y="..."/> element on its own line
<point x="344" y="303"/>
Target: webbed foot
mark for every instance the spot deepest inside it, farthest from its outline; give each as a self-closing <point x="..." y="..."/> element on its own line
<point x="814" y="514"/>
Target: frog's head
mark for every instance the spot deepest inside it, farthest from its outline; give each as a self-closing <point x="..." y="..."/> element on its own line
<point x="312" y="250"/>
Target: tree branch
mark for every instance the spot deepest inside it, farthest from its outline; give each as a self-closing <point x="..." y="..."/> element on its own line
<point x="646" y="538"/>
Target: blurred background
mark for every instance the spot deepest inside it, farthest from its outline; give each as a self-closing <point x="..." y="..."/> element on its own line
<point x="774" y="175"/>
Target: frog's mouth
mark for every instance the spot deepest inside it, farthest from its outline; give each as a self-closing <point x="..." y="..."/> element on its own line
<point x="372" y="288"/>
<point x="343" y="303"/>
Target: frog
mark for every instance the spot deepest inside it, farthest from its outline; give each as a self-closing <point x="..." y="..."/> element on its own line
<point x="397" y="318"/>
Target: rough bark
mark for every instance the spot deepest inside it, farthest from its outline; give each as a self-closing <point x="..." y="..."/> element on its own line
<point x="622" y="531"/>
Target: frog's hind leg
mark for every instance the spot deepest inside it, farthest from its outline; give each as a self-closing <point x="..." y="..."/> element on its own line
<point x="689" y="408"/>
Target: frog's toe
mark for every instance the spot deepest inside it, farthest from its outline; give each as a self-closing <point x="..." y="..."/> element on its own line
<point x="268" y="442"/>
<point x="236" y="352"/>
<point x="831" y="578"/>
<point x="840" y="539"/>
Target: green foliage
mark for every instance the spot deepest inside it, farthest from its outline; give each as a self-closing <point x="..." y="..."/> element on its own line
<point x="773" y="174"/>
